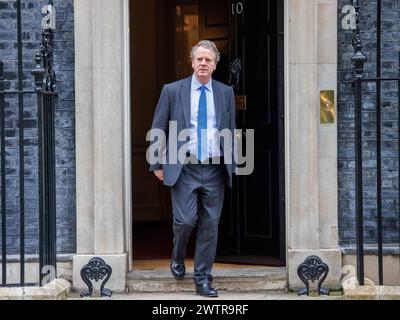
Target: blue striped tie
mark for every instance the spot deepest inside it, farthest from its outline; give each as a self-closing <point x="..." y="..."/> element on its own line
<point x="202" y="150"/>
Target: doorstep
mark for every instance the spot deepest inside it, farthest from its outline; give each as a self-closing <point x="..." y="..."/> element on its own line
<point x="156" y="278"/>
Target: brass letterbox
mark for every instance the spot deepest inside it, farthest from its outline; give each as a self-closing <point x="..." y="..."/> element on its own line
<point x="327" y="106"/>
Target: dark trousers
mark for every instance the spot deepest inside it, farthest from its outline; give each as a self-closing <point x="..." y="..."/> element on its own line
<point x="197" y="199"/>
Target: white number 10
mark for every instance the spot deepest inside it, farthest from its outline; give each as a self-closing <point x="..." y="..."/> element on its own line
<point x="238" y="8"/>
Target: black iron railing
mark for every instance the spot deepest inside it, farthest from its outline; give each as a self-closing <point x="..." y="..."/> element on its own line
<point x="44" y="80"/>
<point x="359" y="59"/>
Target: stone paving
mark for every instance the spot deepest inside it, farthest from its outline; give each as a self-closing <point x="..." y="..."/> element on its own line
<point x="222" y="296"/>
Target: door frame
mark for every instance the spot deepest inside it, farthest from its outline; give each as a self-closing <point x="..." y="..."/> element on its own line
<point x="127" y="141"/>
<point x="284" y="178"/>
<point x="282" y="112"/>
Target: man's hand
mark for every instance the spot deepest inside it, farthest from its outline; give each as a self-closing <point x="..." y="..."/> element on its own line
<point x="159" y="174"/>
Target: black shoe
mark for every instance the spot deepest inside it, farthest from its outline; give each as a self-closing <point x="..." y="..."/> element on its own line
<point x="178" y="270"/>
<point x="206" y="290"/>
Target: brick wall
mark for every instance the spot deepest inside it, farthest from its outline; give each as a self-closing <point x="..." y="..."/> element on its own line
<point x="346" y="145"/>
<point x="64" y="122"/>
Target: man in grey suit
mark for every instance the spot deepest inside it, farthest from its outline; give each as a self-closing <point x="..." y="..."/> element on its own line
<point x="203" y="107"/>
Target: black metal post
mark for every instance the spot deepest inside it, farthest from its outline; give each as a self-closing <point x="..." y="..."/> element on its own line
<point x="39" y="72"/>
<point x="398" y="138"/>
<point x="21" y="146"/>
<point x="378" y="141"/>
<point x="49" y="175"/>
<point x="42" y="231"/>
<point x="3" y="180"/>
<point x="47" y="191"/>
<point x="359" y="60"/>
<point x="359" y="184"/>
<point x="45" y="81"/>
<point x="47" y="183"/>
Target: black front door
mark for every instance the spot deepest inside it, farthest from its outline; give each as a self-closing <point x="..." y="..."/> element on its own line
<point x="252" y="223"/>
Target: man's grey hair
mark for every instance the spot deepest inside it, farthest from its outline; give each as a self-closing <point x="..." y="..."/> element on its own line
<point x="207" y="44"/>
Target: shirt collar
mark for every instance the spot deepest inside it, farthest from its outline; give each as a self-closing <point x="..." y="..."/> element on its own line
<point x="196" y="84"/>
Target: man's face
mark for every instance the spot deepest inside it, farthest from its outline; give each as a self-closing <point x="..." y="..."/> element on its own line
<point x="204" y="64"/>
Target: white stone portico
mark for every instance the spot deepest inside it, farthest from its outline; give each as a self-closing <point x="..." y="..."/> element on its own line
<point x="103" y="137"/>
<point x="311" y="148"/>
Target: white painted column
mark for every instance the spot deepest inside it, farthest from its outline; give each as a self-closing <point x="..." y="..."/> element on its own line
<point x="101" y="89"/>
<point x="327" y="133"/>
<point x="107" y="38"/>
<point x="302" y="120"/>
<point x="84" y="126"/>
<point x="311" y="47"/>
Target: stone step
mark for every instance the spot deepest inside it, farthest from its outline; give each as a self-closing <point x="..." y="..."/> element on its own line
<point x="225" y="279"/>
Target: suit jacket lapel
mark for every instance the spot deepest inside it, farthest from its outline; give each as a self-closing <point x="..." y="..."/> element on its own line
<point x="185" y="97"/>
<point x="217" y="103"/>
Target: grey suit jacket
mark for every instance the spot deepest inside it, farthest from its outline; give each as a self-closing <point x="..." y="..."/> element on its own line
<point x="174" y="105"/>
